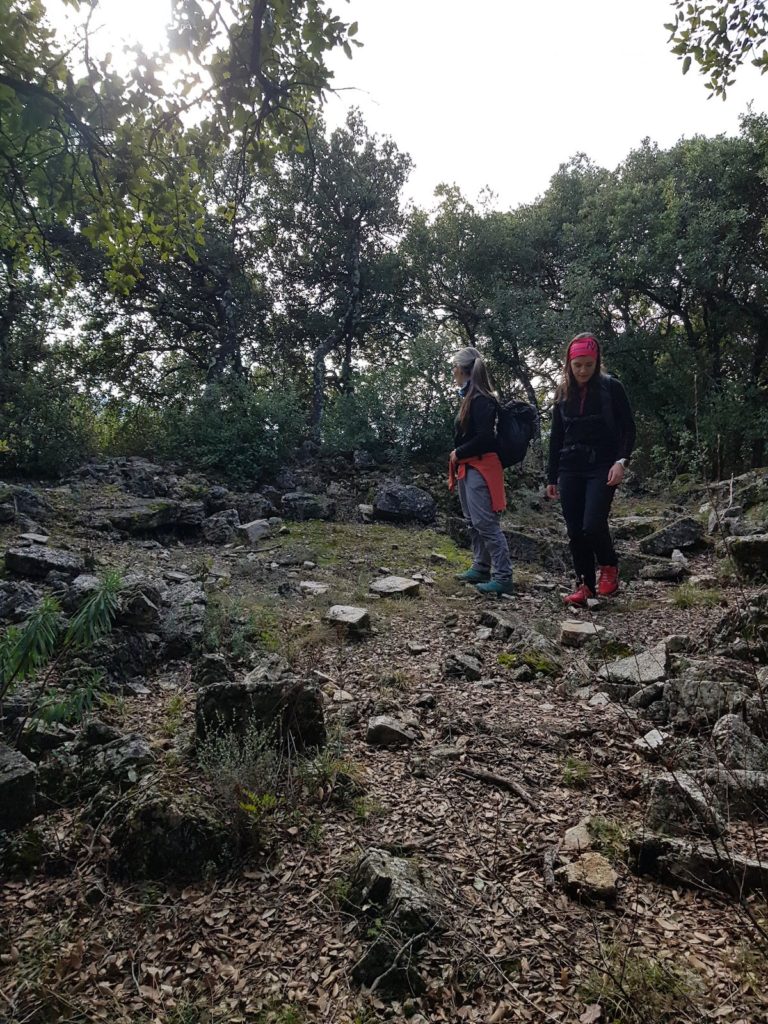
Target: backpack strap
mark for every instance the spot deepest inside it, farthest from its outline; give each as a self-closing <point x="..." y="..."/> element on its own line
<point x="606" y="402"/>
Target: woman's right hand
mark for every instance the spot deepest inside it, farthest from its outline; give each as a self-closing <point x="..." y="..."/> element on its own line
<point x="552" y="491"/>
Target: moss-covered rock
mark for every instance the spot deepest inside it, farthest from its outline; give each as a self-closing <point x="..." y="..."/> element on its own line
<point x="176" y="836"/>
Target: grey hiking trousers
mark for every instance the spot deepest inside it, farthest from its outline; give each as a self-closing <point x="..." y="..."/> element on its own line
<point x="490" y="551"/>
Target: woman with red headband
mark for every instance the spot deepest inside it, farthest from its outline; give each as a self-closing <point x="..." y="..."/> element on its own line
<point x="593" y="434"/>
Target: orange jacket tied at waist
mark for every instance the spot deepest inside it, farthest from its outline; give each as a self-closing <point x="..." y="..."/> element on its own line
<point x="490" y="468"/>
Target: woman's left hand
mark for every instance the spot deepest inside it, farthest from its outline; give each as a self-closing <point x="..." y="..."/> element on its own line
<point x="453" y="457"/>
<point x="615" y="474"/>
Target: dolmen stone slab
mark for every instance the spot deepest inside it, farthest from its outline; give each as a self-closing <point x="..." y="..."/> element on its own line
<point x="575" y="634"/>
<point x="684" y="533"/>
<point x="395" y="586"/>
<point x="386" y="731"/>
<point x="349" y="617"/>
<point x="590" y="879"/>
<point x="17" y="788"/>
<point x="37" y="560"/>
<point x="287" y="710"/>
<point x="648" y="666"/>
<point x="300" y="505"/>
<point x="463" y="666"/>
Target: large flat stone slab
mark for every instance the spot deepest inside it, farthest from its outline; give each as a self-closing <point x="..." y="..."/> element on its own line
<point x="17" y="788"/>
<point x="352" y="618"/>
<point x="648" y="666"/>
<point x="395" y="586"/>
<point x="575" y="634"/>
<point x="36" y="561"/>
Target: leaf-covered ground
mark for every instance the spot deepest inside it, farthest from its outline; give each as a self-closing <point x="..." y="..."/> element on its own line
<point x="273" y="940"/>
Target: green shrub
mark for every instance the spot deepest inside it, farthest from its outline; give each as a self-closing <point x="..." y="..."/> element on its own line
<point x="636" y="989"/>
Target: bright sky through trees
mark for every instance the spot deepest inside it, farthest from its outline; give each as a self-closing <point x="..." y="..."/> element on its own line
<point x="500" y="92"/>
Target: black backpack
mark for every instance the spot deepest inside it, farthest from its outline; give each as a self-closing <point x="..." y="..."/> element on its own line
<point x="516" y="426"/>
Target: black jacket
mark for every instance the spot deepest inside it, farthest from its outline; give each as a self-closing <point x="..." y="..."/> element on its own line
<point x="479" y="436"/>
<point x="581" y="439"/>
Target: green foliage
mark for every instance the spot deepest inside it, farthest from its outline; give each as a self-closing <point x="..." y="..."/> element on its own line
<point x="635" y="989"/>
<point x="689" y="596"/>
<point x="30" y="649"/>
<point x="174" y="715"/>
<point x="576" y="773"/>
<point x="74" y="705"/>
<point x="719" y="36"/>
<point x="609" y="837"/>
<point x="240" y="768"/>
<point x="235" y="431"/>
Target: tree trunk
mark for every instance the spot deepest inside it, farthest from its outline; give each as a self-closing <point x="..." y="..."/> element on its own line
<point x="343" y="332"/>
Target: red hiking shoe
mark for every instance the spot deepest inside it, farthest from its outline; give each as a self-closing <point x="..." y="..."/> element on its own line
<point x="579" y="597"/>
<point x="608" y="580"/>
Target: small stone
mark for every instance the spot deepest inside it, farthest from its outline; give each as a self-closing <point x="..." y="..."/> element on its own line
<point x="391" y="586"/>
<point x="599" y="700"/>
<point x="437" y="559"/>
<point x="590" y="878"/>
<point x="651" y="745"/>
<point x="446" y="752"/>
<point x="484" y="633"/>
<point x="593" y="604"/>
<point x="416" y="648"/>
<point x="386" y="731"/>
<point x="255" y="531"/>
<point x="313" y="589"/>
<point x="342" y="696"/>
<point x="648" y="666"/>
<point x="355" y="620"/>
<point x="577" y="839"/>
<point x="309" y="565"/>
<point x="678" y="556"/>
<point x="463" y="666"/>
<point x="34" y="538"/>
<point x="425" y="700"/>
<point x="576" y="634"/>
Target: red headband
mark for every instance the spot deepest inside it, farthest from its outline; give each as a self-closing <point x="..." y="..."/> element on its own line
<point x="583" y="347"/>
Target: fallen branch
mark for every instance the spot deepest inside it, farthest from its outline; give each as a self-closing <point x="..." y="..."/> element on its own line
<point x="501" y="782"/>
<point x="548" y="866"/>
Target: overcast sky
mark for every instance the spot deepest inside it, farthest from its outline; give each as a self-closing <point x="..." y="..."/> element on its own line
<point x="499" y="93"/>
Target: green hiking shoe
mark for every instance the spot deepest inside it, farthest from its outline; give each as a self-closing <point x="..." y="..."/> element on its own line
<point x="495" y="588"/>
<point x="473" y="576"/>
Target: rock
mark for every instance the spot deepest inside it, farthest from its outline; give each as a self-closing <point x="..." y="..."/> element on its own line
<point x="183" y="621"/>
<point x="696" y="704"/>
<point x="172" y="835"/>
<point x="386" y="731"/>
<point x="577" y="839"/>
<point x="395" y="586"/>
<point x="140" y="603"/>
<point x="17" y="600"/>
<point x="677" y="799"/>
<point x="750" y="554"/>
<point x="705" y="581"/>
<point x="599" y="700"/>
<point x="18" y="778"/>
<point x="150" y="516"/>
<point x="362" y="460"/>
<point x="97" y="733"/>
<point x="300" y="505"/>
<point x="652" y="744"/>
<point x="679" y="558"/>
<point x="685" y="533"/>
<point x="402" y="504"/>
<point x="743" y="793"/>
<point x="737" y="746"/>
<point x="350" y="618"/>
<point x="590" y="878"/>
<point x="393" y="892"/>
<point x="664" y="572"/>
<point x="121" y="760"/>
<point x="36" y="561"/>
<point x="721" y="519"/>
<point x="699" y="866"/>
<point x="647" y="696"/>
<point x="575" y="634"/>
<point x="437" y="559"/>
<point x="211" y="668"/>
<point x="648" y="666"/>
<point x="313" y="589"/>
<point x="41" y="737"/>
<point x="463" y="666"/>
<point x="255" y="531"/>
<point x="634" y="527"/>
<point x="287" y="707"/>
<point x="221" y="527"/>
<point x="34" y="538"/>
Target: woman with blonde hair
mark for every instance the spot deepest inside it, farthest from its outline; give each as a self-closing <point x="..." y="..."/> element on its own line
<point x="593" y="434"/>
<point x="475" y="466"/>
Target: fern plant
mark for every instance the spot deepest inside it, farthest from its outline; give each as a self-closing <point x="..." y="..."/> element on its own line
<point x="39" y="646"/>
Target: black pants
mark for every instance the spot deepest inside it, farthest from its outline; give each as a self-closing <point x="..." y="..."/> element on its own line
<point x="586" y="501"/>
